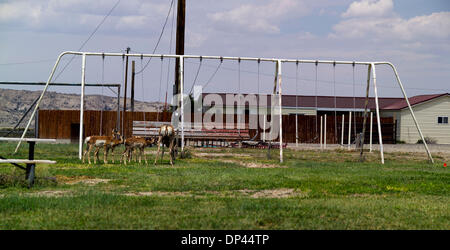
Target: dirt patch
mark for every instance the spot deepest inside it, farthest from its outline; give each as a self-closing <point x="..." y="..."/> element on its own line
<point x="159" y="193"/>
<point x="254" y="164"/>
<point x="267" y="193"/>
<point x="50" y="193"/>
<point x="368" y="195"/>
<point x="72" y="180"/>
<point x="212" y="154"/>
<point x="272" y="193"/>
<point x="92" y="182"/>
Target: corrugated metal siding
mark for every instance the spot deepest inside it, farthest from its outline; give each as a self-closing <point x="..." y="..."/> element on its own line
<point x="426" y="114"/>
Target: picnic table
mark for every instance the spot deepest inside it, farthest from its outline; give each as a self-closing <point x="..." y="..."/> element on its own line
<point x="30" y="162"/>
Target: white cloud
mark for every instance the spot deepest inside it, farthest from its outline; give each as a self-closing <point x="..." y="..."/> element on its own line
<point x="21" y="12"/>
<point x="195" y="40"/>
<point x="435" y="25"/>
<point x="72" y="16"/>
<point x="259" y="18"/>
<point x="369" y="8"/>
<point x="132" y="22"/>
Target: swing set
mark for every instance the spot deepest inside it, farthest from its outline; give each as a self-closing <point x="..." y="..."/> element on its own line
<point x="277" y="90"/>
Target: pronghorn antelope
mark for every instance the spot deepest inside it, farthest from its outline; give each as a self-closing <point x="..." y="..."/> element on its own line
<point x="166" y="137"/>
<point x="135" y="143"/>
<point x="107" y="142"/>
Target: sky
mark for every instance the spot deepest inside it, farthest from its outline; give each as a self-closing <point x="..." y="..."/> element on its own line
<point x="412" y="34"/>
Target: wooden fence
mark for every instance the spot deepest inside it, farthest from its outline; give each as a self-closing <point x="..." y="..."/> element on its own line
<point x="64" y="124"/>
<point x="307" y="132"/>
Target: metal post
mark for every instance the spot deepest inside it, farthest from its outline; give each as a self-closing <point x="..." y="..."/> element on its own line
<point x="361" y="156"/>
<point x="321" y="132"/>
<point x="296" y="128"/>
<point x="36" y="125"/>
<point x="124" y="116"/>
<point x="412" y="113"/>
<point x="40" y="99"/>
<point x="83" y="81"/>
<point x="133" y="73"/>
<point x="342" y="131"/>
<point x="371" y="124"/>
<point x="179" y="42"/>
<point x="29" y="172"/>
<point x="325" y="132"/>
<point x="349" y="129"/>
<point x="182" y="100"/>
<point x="118" y="109"/>
<point x="280" y="108"/>
<point x="380" y="137"/>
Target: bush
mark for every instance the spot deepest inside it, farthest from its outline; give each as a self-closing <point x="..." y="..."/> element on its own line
<point x="186" y="154"/>
<point x="428" y="140"/>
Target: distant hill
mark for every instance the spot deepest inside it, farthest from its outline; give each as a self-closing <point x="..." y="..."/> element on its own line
<point x="14" y="103"/>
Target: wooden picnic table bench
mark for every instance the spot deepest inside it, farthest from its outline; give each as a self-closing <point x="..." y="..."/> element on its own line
<point x="30" y="162"/>
<point x="197" y="134"/>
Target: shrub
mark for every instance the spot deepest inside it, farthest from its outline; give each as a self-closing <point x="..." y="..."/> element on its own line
<point x="428" y="140"/>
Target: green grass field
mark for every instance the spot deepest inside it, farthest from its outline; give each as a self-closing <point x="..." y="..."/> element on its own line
<point x="227" y="189"/>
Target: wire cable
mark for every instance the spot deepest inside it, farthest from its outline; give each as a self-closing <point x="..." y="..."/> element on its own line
<point x="89" y="38"/>
<point x="212" y="76"/>
<point x="159" y="39"/>
<point x="196" y="75"/>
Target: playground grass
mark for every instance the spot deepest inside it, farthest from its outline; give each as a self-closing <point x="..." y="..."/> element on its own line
<point x="227" y="189"/>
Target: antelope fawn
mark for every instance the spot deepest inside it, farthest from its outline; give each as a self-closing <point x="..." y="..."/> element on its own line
<point x="107" y="142"/>
<point x="135" y="143"/>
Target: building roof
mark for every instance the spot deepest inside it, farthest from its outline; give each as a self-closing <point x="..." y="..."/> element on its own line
<point x="342" y="102"/>
<point x="345" y="102"/>
<point x="401" y="104"/>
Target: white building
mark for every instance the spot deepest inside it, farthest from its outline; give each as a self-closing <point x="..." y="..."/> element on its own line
<point x="432" y="112"/>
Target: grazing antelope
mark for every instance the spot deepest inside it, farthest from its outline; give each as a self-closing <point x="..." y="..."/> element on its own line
<point x="107" y="142"/>
<point x="136" y="143"/>
<point x="166" y="137"/>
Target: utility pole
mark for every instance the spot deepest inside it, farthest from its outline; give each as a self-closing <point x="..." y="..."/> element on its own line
<point x="181" y="20"/>
<point x="133" y="73"/>
<point x="124" y="117"/>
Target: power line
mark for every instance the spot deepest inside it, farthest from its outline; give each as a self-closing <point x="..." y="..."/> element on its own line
<point x="27" y="62"/>
<point x="90" y="36"/>
<point x="313" y="80"/>
<point x="159" y="39"/>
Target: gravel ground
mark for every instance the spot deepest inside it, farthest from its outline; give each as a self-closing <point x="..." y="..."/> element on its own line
<point x="434" y="148"/>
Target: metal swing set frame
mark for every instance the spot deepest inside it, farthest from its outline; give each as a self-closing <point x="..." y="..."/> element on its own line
<point x="371" y="74"/>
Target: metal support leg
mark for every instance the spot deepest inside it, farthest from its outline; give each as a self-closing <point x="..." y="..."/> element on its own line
<point x="380" y="137"/>
<point x="280" y="108"/>
<point x="412" y="114"/>
<point x="181" y="69"/>
<point x="83" y="81"/>
<point x="29" y="172"/>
